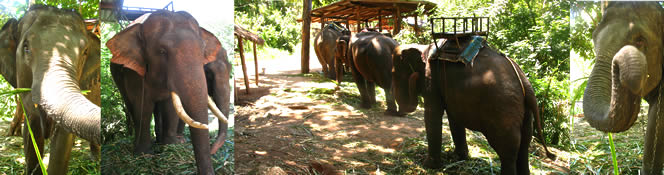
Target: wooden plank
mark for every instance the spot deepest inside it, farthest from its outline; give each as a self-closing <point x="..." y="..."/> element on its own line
<point x="256" y="64"/>
<point x="244" y="65"/>
<point x="306" y="33"/>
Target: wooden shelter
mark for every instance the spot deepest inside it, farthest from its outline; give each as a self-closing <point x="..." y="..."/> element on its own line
<point x="358" y="12"/>
<point x="242" y="34"/>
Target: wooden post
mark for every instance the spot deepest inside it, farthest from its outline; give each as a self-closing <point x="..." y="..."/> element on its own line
<point x="256" y="63"/>
<point x="244" y="65"/>
<point x="397" y="21"/>
<point x="306" y="29"/>
<point x="380" y="21"/>
<point x="357" y="19"/>
<point x="322" y="23"/>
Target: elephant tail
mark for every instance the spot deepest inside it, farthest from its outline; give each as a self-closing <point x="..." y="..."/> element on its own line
<point x="531" y="105"/>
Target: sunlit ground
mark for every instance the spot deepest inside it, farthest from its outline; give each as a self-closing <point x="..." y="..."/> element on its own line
<point x="12" y="159"/>
<point x="293" y="121"/>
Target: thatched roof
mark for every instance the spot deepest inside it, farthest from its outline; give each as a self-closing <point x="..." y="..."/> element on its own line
<point x="359" y="10"/>
<point x="244" y="33"/>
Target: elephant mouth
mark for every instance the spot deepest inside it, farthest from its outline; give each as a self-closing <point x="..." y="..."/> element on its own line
<point x="179" y="109"/>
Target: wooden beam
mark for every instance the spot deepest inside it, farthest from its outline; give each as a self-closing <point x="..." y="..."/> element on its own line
<point x="306" y="33"/>
<point x="244" y="65"/>
<point x="397" y="20"/>
<point x="256" y="63"/>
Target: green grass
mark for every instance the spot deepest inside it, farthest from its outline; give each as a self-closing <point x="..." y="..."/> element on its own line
<point x="167" y="159"/>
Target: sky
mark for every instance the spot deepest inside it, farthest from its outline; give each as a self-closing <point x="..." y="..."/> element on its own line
<point x="202" y="10"/>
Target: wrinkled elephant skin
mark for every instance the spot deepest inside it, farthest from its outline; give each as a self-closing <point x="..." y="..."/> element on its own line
<point x="54" y="106"/>
<point x="158" y="65"/>
<point x="325" y="48"/>
<point x="629" y="44"/>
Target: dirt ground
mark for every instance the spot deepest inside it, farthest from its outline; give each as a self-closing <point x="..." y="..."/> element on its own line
<point x="282" y="127"/>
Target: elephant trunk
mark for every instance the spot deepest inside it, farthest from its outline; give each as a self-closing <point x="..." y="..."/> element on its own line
<point x="412" y="94"/>
<point x="612" y="99"/>
<point x="59" y="94"/>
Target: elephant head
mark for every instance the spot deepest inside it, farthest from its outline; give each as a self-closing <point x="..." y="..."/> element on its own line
<point x="169" y="50"/>
<point x="50" y="51"/>
<point x="629" y="48"/>
<point x="408" y="76"/>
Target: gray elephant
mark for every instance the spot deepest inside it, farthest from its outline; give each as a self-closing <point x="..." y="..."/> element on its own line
<point x="325" y="47"/>
<point x="370" y="57"/>
<point x="493" y="96"/>
<point x="629" y="42"/>
<point x="50" y="51"/>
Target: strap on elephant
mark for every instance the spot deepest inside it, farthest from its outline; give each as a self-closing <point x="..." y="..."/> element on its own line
<point x="461" y="49"/>
<point x="523" y="90"/>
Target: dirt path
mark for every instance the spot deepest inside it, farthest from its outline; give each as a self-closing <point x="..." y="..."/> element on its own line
<point x="283" y="124"/>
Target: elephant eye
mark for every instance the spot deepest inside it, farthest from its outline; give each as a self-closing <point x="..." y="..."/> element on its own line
<point x="640" y="42"/>
<point x="162" y="52"/>
<point x="26" y="48"/>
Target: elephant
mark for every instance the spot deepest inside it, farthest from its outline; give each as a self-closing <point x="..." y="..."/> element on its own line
<point x="325" y="48"/>
<point x="50" y="51"/>
<point x="158" y="63"/>
<point x="493" y="96"/>
<point x="370" y="58"/>
<point x="629" y="44"/>
<point x="217" y="75"/>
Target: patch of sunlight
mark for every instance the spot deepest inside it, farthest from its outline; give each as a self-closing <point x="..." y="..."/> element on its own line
<point x="364" y="147"/>
<point x="476" y="151"/>
<point x="262" y="153"/>
<point x="45" y="159"/>
<point x="20" y="160"/>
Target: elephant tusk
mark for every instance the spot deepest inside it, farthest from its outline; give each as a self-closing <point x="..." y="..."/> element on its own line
<point x="183" y="115"/>
<point x="215" y="110"/>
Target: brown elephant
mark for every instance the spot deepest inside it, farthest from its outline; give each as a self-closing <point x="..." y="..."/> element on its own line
<point x="158" y="63"/>
<point x="50" y="51"/>
<point x="325" y="48"/>
<point x="492" y="96"/>
<point x="629" y="44"/>
<point x="370" y="57"/>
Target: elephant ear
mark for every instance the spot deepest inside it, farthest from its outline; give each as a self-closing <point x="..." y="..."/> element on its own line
<point x="8" y="43"/>
<point x="90" y="78"/>
<point x="127" y="49"/>
<point x="212" y="45"/>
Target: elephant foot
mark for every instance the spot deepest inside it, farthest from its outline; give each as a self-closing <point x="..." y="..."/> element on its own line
<point x="365" y="105"/>
<point x="432" y="163"/>
<point x="461" y="155"/>
<point x="174" y="140"/>
<point x="392" y="112"/>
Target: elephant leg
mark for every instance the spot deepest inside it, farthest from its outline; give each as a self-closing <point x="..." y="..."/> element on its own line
<point x="371" y="92"/>
<point x="159" y="123"/>
<point x="433" y="121"/>
<point x="170" y="122"/>
<point x="201" y="142"/>
<point x="362" y="86"/>
<point x="459" y="138"/>
<point x="142" y="135"/>
<point x="61" y="146"/>
<point x="653" y="156"/>
<point x="32" y="163"/>
<point x="506" y="144"/>
<point x="331" y="74"/>
<point x="391" y="104"/>
<point x="526" y="137"/>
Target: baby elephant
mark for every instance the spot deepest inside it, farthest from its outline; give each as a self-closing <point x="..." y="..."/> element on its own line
<point x="491" y="95"/>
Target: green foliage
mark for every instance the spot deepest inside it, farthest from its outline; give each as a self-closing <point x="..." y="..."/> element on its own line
<point x="112" y="111"/>
<point x="274" y="21"/>
<point x="87" y="8"/>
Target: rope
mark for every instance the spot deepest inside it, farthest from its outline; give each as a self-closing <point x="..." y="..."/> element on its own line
<point x="523" y="90"/>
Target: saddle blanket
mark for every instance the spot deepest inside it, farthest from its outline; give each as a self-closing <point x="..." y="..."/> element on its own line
<point x="470" y="47"/>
